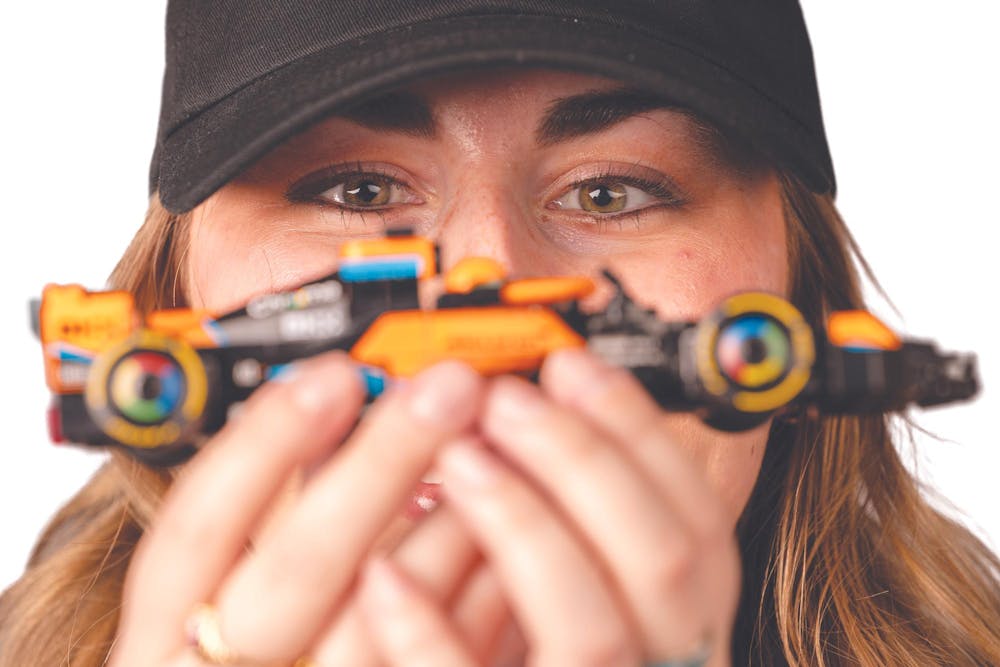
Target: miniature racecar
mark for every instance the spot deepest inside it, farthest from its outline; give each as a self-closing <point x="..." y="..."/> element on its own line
<point x="157" y="385"/>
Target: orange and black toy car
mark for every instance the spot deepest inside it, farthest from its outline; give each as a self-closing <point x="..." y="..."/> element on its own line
<point x="157" y="385"/>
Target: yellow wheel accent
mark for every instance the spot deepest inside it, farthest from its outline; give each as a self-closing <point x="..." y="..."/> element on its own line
<point x="147" y="391"/>
<point x="755" y="352"/>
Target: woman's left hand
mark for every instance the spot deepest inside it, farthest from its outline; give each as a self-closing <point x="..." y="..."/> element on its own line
<point x="609" y="543"/>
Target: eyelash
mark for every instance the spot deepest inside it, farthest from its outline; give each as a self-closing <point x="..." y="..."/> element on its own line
<point x="666" y="195"/>
<point x="308" y="189"/>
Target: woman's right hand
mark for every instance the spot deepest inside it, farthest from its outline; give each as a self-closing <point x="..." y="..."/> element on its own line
<point x="281" y="587"/>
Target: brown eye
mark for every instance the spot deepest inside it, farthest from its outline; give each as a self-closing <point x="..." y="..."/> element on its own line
<point x="602" y="197"/>
<point x="352" y="190"/>
<point x="606" y="197"/>
<point x="618" y="190"/>
<point x="366" y="190"/>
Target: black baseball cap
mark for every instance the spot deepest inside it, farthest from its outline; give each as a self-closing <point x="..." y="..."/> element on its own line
<point x="242" y="76"/>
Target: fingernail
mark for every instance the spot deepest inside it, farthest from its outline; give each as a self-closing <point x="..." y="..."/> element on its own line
<point x="316" y="385"/>
<point x="515" y="400"/>
<point x="467" y="466"/>
<point x="439" y="392"/>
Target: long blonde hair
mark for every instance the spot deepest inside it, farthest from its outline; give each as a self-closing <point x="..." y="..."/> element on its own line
<point x="845" y="560"/>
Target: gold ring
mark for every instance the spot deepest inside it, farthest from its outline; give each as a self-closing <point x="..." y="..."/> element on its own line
<point x="206" y="638"/>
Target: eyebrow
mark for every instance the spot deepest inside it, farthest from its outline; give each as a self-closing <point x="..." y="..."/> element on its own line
<point x="566" y="118"/>
<point x="399" y="111"/>
<point x="594" y="111"/>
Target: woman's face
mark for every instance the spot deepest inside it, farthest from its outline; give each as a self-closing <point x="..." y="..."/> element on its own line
<point x="548" y="173"/>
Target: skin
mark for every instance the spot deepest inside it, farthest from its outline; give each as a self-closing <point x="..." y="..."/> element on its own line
<point x="523" y="540"/>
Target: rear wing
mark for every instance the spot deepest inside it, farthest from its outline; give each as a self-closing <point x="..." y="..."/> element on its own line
<point x="74" y="325"/>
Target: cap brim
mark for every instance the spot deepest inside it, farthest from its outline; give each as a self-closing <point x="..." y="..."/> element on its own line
<point x="215" y="145"/>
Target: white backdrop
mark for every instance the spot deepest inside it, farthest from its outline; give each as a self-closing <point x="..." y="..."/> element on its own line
<point x="909" y="94"/>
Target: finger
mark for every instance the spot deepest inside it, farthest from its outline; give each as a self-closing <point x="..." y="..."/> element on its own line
<point x="554" y="587"/>
<point x="628" y="525"/>
<point x="612" y="399"/>
<point x="209" y="512"/>
<point x="407" y="625"/>
<point x="481" y="613"/>
<point x="438" y="554"/>
<point x="305" y="565"/>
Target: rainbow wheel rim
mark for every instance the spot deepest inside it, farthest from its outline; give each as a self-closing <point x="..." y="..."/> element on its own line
<point x="755" y="352"/>
<point x="148" y="391"/>
<point x="146" y="387"/>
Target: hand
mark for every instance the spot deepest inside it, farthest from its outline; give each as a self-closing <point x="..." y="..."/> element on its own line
<point x="277" y="598"/>
<point x="610" y="545"/>
<point x="442" y="562"/>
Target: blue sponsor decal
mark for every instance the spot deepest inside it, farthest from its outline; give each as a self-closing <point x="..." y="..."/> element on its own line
<point x="380" y="268"/>
<point x="67" y="355"/>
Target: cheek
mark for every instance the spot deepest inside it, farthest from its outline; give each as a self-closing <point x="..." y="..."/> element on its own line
<point x="697" y="276"/>
<point x="730" y="461"/>
<point x="741" y="247"/>
<point x="237" y="254"/>
<point x="738" y="246"/>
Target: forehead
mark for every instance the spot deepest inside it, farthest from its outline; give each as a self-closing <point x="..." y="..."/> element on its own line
<point x="547" y="106"/>
<point x="525" y="85"/>
<point x="513" y="94"/>
<point x="510" y="109"/>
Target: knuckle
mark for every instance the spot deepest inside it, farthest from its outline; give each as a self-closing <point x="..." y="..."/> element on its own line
<point x="623" y="391"/>
<point x="714" y="528"/>
<point x="419" y="640"/>
<point x="284" y="565"/>
<point x="511" y="508"/>
<point x="381" y="452"/>
<point x="583" y="448"/>
<point x="675" y="567"/>
<point x="622" y="383"/>
<point x="511" y="505"/>
<point x="180" y="528"/>
<point x="387" y="448"/>
<point x="417" y="646"/>
<point x="348" y="642"/>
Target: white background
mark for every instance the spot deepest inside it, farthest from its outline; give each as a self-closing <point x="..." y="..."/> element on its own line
<point x="908" y="90"/>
